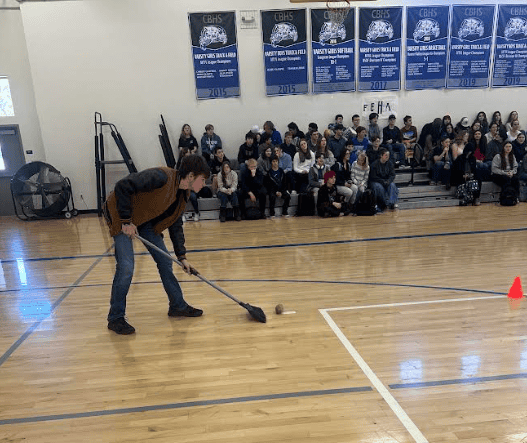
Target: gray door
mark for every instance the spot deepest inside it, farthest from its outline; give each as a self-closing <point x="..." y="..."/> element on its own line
<point x="13" y="159"/>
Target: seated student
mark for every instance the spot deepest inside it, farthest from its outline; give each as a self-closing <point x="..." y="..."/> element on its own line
<point x="360" y="172"/>
<point x="504" y="168"/>
<point x="512" y="134"/>
<point x="257" y="134"/>
<point x="338" y="121"/>
<point x="187" y="140"/>
<point x="484" y="124"/>
<point x="392" y="139"/>
<point x="330" y="203"/>
<point x="464" y="169"/>
<point x="374" y="129"/>
<point x="476" y="126"/>
<point x="288" y="146"/>
<point x="312" y="140"/>
<point x="409" y="133"/>
<point x="494" y="134"/>
<point x="275" y="183"/>
<point x="316" y="174"/>
<point x="442" y="157"/>
<point x="342" y="170"/>
<point x="352" y="150"/>
<point x="264" y="161"/>
<point x="322" y="147"/>
<point x="374" y="150"/>
<point x="302" y="163"/>
<point x="522" y="170"/>
<point x="477" y="145"/>
<point x="215" y="166"/>
<point x="458" y="146"/>
<point x="351" y="132"/>
<point x="286" y="163"/>
<point x="252" y="187"/>
<point x="227" y="191"/>
<point x="267" y="142"/>
<point x="430" y="137"/>
<point x="519" y="147"/>
<point x="312" y="127"/>
<point x="361" y="142"/>
<point x="513" y="116"/>
<point x="248" y="150"/>
<point x="296" y="133"/>
<point x="448" y="131"/>
<point x="209" y="142"/>
<point x="462" y="125"/>
<point x="502" y="129"/>
<point x="382" y="175"/>
<point x="193" y="197"/>
<point x="337" y="142"/>
<point x="269" y="128"/>
<point x="446" y="121"/>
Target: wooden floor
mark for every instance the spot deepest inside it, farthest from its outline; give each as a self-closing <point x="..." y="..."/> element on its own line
<point x="401" y="332"/>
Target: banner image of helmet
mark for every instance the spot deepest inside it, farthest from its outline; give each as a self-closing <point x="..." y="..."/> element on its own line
<point x="333" y="52"/>
<point x="470" y="44"/>
<point x="215" y="54"/>
<point x="510" y="53"/>
<point x="285" y="51"/>
<point x="426" y="47"/>
<point x="380" y="49"/>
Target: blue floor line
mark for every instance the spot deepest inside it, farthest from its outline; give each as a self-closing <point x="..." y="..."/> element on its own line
<point x="291" y="245"/>
<point x="190" y="404"/>
<point x="457" y="381"/>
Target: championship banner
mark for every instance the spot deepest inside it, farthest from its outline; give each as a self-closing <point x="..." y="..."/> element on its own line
<point x="215" y="54"/>
<point x="470" y="44"/>
<point x="333" y="52"/>
<point x="380" y="49"/>
<point x="426" y="47"/>
<point x="285" y="51"/>
<point x="510" y="54"/>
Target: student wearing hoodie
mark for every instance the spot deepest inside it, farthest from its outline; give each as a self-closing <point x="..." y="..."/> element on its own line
<point x="316" y="175"/>
<point x="330" y="203"/>
<point x="209" y="142"/>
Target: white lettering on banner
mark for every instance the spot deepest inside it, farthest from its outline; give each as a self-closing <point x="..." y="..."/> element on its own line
<point x="283" y="16"/>
<point x="212" y="18"/>
<point x="427" y="12"/>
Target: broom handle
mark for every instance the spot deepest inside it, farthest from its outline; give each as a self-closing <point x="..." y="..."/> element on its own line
<point x="196" y="273"/>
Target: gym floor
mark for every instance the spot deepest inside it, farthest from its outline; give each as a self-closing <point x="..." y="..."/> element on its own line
<point x="397" y="328"/>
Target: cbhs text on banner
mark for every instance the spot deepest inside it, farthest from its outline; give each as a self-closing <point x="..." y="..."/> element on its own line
<point x="380" y="49"/>
<point x="426" y="47"/>
<point x="215" y="54"/>
<point x="285" y="51"/>
<point x="333" y="50"/>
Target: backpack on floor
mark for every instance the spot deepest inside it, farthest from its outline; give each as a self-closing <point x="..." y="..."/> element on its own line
<point x="508" y="196"/>
<point x="252" y="213"/>
<point x="306" y="205"/>
<point x="365" y="203"/>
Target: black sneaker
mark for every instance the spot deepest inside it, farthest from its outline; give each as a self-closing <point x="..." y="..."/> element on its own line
<point x="189" y="311"/>
<point x="120" y="326"/>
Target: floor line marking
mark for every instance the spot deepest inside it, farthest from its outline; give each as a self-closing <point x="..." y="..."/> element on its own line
<point x="54" y="306"/>
<point x="294" y="245"/>
<point x="189" y="404"/>
<point x="376" y="382"/>
<point x="424" y="302"/>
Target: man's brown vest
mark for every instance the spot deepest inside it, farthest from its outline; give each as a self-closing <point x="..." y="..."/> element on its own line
<point x="161" y="205"/>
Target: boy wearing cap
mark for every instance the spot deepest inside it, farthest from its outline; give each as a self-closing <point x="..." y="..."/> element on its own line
<point x="330" y="203"/>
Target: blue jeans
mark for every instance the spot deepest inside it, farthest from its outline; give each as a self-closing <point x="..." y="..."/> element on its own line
<point x="385" y="196"/>
<point x="400" y="149"/>
<point x="440" y="174"/>
<point x="124" y="271"/>
<point x="194" y="200"/>
<point x="225" y="198"/>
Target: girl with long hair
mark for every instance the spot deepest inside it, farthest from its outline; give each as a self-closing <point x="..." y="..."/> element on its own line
<point x="504" y="168"/>
<point x="187" y="140"/>
<point x="227" y="185"/>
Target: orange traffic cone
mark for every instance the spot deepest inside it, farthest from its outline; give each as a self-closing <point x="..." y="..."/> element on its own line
<point x="516" y="292"/>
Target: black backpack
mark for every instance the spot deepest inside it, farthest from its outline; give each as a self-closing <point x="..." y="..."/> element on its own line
<point x="306" y="205"/>
<point x="508" y="196"/>
<point x="365" y="204"/>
